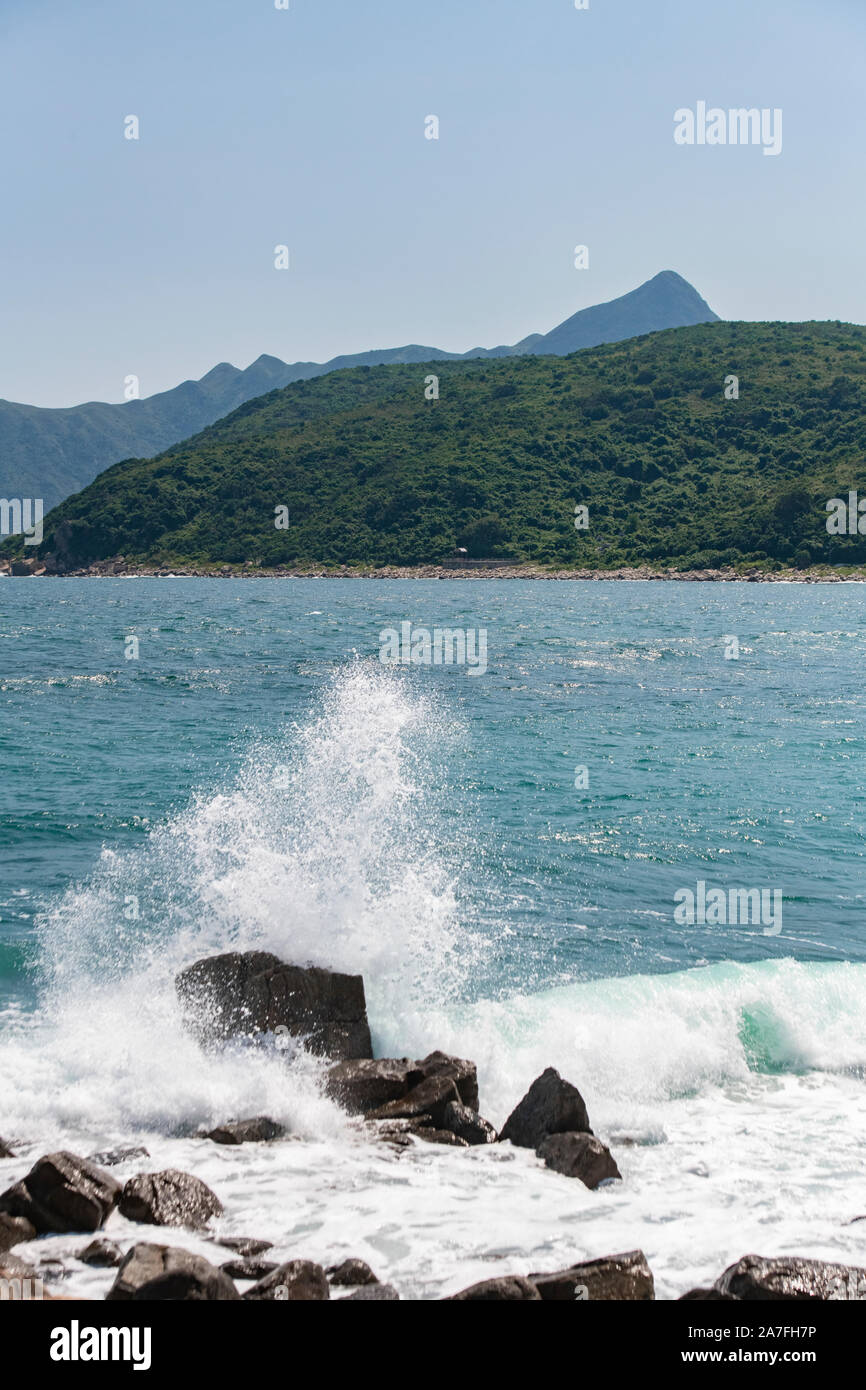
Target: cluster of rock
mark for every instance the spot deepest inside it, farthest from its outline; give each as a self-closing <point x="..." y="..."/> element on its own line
<point x="63" y="1193"/>
<point x="255" y="995"/>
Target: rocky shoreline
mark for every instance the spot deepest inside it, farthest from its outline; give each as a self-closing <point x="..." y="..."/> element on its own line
<point x="255" y="999"/>
<point x="119" y="568"/>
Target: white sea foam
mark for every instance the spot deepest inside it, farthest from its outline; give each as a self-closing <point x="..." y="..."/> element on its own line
<point x="733" y="1094"/>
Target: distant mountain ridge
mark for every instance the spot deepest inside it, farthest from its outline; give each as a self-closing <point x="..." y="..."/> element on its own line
<point x="52" y="453"/>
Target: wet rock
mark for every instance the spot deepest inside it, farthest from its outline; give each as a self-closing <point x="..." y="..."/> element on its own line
<point x="430" y="1097"/>
<point x="790" y="1278"/>
<point x="374" y="1293"/>
<point x="111" y="1158"/>
<point x="14" y="1230"/>
<point x="170" y="1198"/>
<point x="5" y="1151"/>
<point x="579" y="1156"/>
<point x="244" y="1245"/>
<point x="253" y="1267"/>
<point x="297" y="1281"/>
<point x="258" y="1131"/>
<point x="626" y="1278"/>
<point x="24" y="567"/>
<point x="463" y="1073"/>
<point x="165" y="1272"/>
<point x="245" y="993"/>
<point x="362" y="1085"/>
<point x="510" y="1289"/>
<point x="61" y="1193"/>
<point x="467" y="1124"/>
<point x="550" y="1106"/>
<point x="351" y="1273"/>
<point x="101" y="1254"/>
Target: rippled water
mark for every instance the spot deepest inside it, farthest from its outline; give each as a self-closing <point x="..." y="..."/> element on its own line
<point x="258" y="777"/>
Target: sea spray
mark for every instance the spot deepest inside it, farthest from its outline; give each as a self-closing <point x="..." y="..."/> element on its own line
<point x="325" y="848"/>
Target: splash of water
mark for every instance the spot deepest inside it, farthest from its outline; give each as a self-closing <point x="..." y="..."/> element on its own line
<point x="325" y="849"/>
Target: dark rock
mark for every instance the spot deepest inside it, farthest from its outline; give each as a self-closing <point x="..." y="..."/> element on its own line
<point x="102" y="1254"/>
<point x="790" y="1278"/>
<point x="512" y="1289"/>
<point x="467" y="1124"/>
<point x="111" y="1158"/>
<point x="464" y="1074"/>
<point x="374" y="1293"/>
<point x="430" y="1097"/>
<point x="364" y="1084"/>
<point x="239" y="994"/>
<point x="258" y="1131"/>
<point x="244" y="1245"/>
<point x="14" y="1230"/>
<point x="164" y="1272"/>
<point x="23" y="567"/>
<point x="579" y="1156"/>
<point x="170" y="1198"/>
<point x="351" y="1273"/>
<point x="253" y="1267"/>
<point x="616" y="1277"/>
<point x="550" y="1106"/>
<point x="706" y="1296"/>
<point x="5" y="1151"/>
<point x="294" y="1282"/>
<point x="439" y="1136"/>
<point x="61" y="1193"/>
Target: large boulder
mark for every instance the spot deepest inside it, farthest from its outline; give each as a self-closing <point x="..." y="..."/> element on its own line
<point x="790" y="1278"/>
<point x="61" y="1193"/>
<point x="550" y="1106"/>
<point x="170" y="1198"/>
<point x="246" y="993"/>
<point x="5" y="1151"/>
<point x="165" y="1272"/>
<point x="258" y="1131"/>
<point x="579" y="1156"/>
<point x="510" y="1289"/>
<point x="625" y="1278"/>
<point x="14" y="1230"/>
<point x="297" y="1281"/>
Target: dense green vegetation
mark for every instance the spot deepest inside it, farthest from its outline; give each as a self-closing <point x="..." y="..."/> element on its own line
<point x="640" y="432"/>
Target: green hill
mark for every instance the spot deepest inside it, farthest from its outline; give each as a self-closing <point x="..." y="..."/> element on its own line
<point x="640" y="432"/>
<point x="53" y="453"/>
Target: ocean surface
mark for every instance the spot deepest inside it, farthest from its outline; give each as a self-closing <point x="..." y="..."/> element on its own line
<point x="250" y="774"/>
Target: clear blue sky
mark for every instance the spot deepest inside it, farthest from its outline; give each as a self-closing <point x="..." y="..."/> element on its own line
<point x="306" y="127"/>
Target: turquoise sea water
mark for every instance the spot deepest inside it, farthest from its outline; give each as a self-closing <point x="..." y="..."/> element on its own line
<point x="258" y="778"/>
<point x="742" y="773"/>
